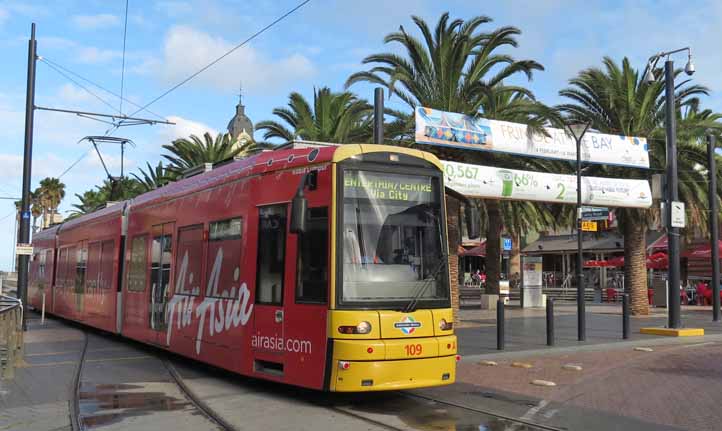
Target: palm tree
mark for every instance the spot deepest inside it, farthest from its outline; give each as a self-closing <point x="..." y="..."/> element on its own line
<point x="118" y="189"/>
<point x="617" y="100"/>
<point x="187" y="153"/>
<point x="52" y="192"/>
<point x="36" y="208"/>
<point x="457" y="68"/>
<point x="333" y="117"/>
<point x="152" y="178"/>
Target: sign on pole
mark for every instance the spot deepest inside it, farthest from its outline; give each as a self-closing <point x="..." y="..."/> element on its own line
<point x="678" y="216"/>
<point x="595" y="213"/>
<point x="23" y="249"/>
<point x="497" y="183"/>
<point x="589" y="226"/>
<point x="507" y="244"/>
<point x="456" y="130"/>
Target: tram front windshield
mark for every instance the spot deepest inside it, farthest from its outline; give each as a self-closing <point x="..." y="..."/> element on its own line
<point x="392" y="239"/>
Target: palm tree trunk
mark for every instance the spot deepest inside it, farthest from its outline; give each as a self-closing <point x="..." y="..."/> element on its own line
<point x="493" y="246"/>
<point x="635" y="267"/>
<point x="454" y="237"/>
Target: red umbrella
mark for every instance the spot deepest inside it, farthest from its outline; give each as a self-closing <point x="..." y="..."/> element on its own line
<point x="703" y="251"/>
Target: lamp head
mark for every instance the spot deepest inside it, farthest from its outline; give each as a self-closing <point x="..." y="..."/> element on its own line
<point x="578" y="129"/>
<point x="649" y="75"/>
<point x="689" y="67"/>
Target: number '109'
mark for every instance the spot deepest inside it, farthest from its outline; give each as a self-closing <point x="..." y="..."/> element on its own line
<point x="413" y="349"/>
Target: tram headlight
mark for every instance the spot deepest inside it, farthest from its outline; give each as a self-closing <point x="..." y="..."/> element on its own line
<point x="363" y="327"/>
<point x="446" y="326"/>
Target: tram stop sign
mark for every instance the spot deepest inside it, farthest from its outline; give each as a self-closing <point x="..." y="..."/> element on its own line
<point x="595" y="213"/>
<point x="589" y="226"/>
<point x="507" y="244"/>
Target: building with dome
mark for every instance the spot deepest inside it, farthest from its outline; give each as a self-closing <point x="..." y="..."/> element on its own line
<point x="240" y="124"/>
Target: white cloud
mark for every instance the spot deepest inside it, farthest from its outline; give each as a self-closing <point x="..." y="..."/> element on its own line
<point x="174" y="8"/>
<point x="93" y="55"/>
<point x="182" y="129"/>
<point x="4" y="14"/>
<point x="79" y="52"/>
<point x="93" y="22"/>
<point x="186" y="50"/>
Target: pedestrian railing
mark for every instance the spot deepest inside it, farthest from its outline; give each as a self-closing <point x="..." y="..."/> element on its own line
<point x="11" y="335"/>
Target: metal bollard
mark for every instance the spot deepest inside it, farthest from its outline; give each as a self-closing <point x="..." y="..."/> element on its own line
<point x="550" y="322"/>
<point x="625" y="316"/>
<point x="500" y="324"/>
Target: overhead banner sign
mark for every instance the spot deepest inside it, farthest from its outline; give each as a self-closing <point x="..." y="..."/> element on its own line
<point x="497" y="183"/>
<point x="456" y="130"/>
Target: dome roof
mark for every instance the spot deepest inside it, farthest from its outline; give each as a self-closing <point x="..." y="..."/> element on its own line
<point x="240" y="123"/>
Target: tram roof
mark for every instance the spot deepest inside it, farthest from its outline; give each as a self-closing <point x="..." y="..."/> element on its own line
<point x="287" y="157"/>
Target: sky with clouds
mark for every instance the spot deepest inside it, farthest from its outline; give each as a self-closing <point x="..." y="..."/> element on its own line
<point x="320" y="45"/>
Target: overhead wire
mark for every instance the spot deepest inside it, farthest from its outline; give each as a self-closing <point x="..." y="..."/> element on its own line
<point x="122" y="69"/>
<point x="95" y="84"/>
<point x="105" y="102"/>
<point x="229" y="52"/>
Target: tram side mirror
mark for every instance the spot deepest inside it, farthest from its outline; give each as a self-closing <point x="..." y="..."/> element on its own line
<point x="473" y="227"/>
<point x="299" y="207"/>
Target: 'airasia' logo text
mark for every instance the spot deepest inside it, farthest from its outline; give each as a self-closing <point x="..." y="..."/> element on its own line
<point x="223" y="310"/>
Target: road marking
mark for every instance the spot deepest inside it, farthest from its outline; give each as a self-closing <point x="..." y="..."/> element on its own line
<point x="644" y="349"/>
<point x="520" y="365"/>
<point x="126" y="358"/>
<point x="529" y="415"/>
<point x="542" y="383"/>
<point x="488" y="363"/>
<point x="572" y="367"/>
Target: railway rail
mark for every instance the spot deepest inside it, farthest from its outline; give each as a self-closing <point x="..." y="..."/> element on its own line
<point x="326" y="401"/>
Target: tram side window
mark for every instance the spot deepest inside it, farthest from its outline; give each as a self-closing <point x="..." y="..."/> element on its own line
<point x="189" y="258"/>
<point x="160" y="265"/>
<point x="312" y="264"/>
<point x="106" y="264"/>
<point x="80" y="268"/>
<point x="62" y="258"/>
<point x="223" y="265"/>
<point x="136" y="269"/>
<point x="271" y="254"/>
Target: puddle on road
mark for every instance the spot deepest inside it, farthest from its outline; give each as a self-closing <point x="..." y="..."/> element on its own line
<point x="105" y="403"/>
<point x="427" y="415"/>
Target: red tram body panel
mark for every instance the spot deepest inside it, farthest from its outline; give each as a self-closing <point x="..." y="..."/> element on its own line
<point x="207" y="267"/>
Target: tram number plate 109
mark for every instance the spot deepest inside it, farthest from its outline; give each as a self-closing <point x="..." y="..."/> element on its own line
<point x="413" y="349"/>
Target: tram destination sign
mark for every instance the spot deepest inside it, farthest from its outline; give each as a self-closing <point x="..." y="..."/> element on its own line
<point x="376" y="185"/>
<point x="497" y="183"/>
<point x="456" y="130"/>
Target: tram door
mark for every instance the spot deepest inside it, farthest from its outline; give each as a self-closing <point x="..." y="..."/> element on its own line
<point x="267" y="340"/>
<point x="160" y="271"/>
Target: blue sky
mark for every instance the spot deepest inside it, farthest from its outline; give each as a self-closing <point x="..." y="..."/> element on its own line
<point x="319" y="45"/>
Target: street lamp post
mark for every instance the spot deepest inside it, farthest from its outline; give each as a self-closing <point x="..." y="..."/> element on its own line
<point x="577" y="131"/>
<point x="713" y="226"/>
<point x="673" y="277"/>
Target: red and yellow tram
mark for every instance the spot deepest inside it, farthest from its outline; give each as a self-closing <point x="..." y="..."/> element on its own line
<point x="317" y="266"/>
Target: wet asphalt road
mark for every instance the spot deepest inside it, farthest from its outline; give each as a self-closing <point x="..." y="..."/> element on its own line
<point x="126" y="386"/>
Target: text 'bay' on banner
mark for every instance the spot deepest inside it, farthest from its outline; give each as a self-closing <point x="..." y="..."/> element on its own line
<point x="456" y="130"/>
<point x="498" y="183"/>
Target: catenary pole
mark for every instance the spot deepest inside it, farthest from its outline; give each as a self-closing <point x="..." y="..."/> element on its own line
<point x="24" y="260"/>
<point x="581" y="306"/>
<point x="672" y="196"/>
<point x="713" y="226"/>
<point x="378" y="115"/>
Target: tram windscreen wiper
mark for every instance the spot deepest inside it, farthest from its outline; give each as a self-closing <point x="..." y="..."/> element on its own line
<point x="411" y="305"/>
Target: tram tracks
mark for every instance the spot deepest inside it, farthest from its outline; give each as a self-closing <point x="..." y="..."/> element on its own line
<point x="375" y="417"/>
<point x="79" y="421"/>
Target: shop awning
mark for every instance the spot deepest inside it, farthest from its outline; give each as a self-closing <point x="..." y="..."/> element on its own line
<point x="479" y="251"/>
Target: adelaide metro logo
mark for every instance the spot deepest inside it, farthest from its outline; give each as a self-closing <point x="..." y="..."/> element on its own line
<point x="407" y="325"/>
